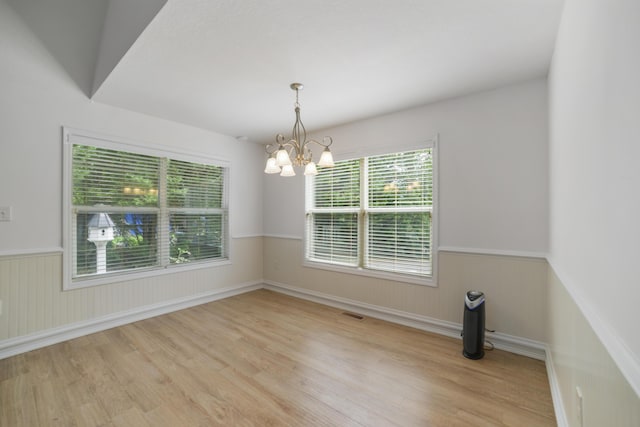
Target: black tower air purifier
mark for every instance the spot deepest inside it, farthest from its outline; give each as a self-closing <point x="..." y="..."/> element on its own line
<point x="473" y="325"/>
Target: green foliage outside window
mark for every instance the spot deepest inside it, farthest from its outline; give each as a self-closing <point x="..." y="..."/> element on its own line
<point x="390" y="229"/>
<point x="113" y="181"/>
<point x="401" y="179"/>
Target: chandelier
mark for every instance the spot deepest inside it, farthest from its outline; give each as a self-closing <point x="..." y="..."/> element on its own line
<point x="297" y="151"/>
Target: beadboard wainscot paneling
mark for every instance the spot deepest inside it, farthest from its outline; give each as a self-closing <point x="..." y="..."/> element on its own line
<point x="515" y="288"/>
<point x="34" y="305"/>
<point x="580" y="360"/>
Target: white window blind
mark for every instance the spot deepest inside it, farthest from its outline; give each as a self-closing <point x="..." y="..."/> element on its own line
<point x="196" y="211"/>
<point x="374" y="213"/>
<point x="132" y="212"/>
<point x="333" y="219"/>
<point x="123" y="186"/>
<point x="398" y="212"/>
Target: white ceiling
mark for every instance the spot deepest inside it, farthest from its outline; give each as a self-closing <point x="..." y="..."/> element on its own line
<point x="226" y="65"/>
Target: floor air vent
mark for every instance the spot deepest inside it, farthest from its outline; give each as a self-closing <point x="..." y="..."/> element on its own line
<point x="355" y="316"/>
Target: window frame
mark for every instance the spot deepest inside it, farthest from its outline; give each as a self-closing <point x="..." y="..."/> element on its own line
<point x="364" y="210"/>
<point x="71" y="137"/>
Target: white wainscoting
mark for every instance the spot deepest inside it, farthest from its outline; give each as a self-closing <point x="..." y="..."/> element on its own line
<point x="517" y="345"/>
<point x="36" y="311"/>
<point x="22" y="344"/>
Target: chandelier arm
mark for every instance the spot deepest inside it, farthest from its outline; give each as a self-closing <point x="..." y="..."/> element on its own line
<point x="268" y="149"/>
<point x="324" y="142"/>
<point x="291" y="149"/>
<point x="280" y="140"/>
<point x="292" y="143"/>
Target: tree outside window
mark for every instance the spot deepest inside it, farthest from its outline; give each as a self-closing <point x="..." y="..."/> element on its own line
<point x="374" y="213"/>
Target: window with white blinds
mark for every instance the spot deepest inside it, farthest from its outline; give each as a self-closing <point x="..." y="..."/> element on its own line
<point x="398" y="212"/>
<point x="197" y="213"/>
<point x="374" y="214"/>
<point x="131" y="212"/>
<point x="332" y="221"/>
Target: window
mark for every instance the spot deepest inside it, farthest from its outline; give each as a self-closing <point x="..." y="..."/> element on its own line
<point x="374" y="216"/>
<point x="133" y="210"/>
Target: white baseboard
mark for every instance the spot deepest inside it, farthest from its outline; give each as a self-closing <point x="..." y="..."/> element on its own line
<point x="513" y="344"/>
<point x="556" y="393"/>
<point x="25" y="343"/>
<point x="22" y="344"/>
<point x="522" y="346"/>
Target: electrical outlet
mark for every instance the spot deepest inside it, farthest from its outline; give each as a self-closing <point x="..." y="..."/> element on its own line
<point x="580" y="407"/>
<point x="5" y="213"/>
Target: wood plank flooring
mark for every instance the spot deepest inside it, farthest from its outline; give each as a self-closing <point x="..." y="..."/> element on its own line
<point x="266" y="359"/>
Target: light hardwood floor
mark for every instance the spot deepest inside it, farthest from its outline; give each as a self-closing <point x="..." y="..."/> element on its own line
<point x="266" y="359"/>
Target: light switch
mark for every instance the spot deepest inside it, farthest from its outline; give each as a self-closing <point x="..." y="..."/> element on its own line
<point x="5" y="213"/>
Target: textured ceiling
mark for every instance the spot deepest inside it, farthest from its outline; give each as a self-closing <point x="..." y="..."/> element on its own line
<point x="226" y="65"/>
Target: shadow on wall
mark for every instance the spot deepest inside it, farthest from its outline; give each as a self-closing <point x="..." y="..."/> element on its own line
<point x="70" y="30"/>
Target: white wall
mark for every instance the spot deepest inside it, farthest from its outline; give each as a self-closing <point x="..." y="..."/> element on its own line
<point x="492" y="162"/>
<point x="69" y="29"/>
<point x="492" y="200"/>
<point x="594" y="171"/>
<point x="39" y="97"/>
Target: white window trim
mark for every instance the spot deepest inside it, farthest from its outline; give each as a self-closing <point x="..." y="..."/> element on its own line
<point x="71" y="136"/>
<point x="379" y="274"/>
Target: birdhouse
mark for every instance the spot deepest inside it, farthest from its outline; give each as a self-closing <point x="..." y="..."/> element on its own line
<point x="100" y="228"/>
<point x="101" y="233"/>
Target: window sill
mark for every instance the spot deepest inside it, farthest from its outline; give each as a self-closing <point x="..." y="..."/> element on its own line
<point x="127" y="276"/>
<point x="396" y="277"/>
